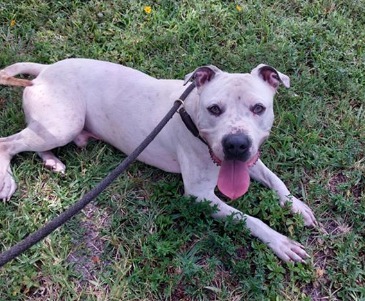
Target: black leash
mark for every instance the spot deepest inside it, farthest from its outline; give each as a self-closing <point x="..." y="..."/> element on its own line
<point x="58" y="221"/>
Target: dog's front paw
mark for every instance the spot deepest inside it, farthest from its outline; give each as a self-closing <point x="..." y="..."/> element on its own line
<point x="287" y="249"/>
<point x="7" y="185"/>
<point x="303" y="209"/>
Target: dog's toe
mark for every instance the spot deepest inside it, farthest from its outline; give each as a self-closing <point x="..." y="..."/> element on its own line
<point x="55" y="165"/>
<point x="303" y="209"/>
<point x="59" y="167"/>
<point x="288" y="250"/>
<point x="298" y="254"/>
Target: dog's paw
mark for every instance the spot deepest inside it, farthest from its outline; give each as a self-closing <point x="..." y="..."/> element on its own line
<point x="51" y="162"/>
<point x="287" y="249"/>
<point x="55" y="165"/>
<point x="303" y="209"/>
<point x="7" y="186"/>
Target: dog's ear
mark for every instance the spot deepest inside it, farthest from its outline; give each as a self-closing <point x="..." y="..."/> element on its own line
<point x="270" y="75"/>
<point x="202" y="75"/>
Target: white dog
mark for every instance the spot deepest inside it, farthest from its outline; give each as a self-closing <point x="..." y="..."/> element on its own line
<point x="75" y="99"/>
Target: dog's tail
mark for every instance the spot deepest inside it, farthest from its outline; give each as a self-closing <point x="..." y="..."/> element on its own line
<point x="7" y="74"/>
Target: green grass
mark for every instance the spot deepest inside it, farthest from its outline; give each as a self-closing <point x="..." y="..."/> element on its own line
<point x="141" y="240"/>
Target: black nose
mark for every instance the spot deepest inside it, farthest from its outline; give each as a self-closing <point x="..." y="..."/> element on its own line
<point x="236" y="147"/>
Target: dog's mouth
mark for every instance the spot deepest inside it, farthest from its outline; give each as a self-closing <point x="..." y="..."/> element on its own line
<point x="234" y="178"/>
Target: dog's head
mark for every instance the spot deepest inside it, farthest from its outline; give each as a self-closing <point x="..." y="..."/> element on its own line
<point x="234" y="115"/>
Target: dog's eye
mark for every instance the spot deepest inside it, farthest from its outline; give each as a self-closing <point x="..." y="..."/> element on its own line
<point x="258" y="109"/>
<point x="215" y="110"/>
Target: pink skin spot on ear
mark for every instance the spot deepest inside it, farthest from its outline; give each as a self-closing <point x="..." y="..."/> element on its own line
<point x="270" y="76"/>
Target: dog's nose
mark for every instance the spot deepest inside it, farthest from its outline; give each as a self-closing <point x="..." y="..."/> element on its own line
<point x="236" y="146"/>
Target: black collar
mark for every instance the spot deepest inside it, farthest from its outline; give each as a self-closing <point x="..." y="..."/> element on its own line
<point x="185" y="117"/>
<point x="189" y="123"/>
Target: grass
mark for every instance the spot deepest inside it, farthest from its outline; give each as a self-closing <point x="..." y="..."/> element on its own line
<point x="141" y="240"/>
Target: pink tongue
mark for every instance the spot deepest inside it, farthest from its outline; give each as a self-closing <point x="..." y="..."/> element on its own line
<point x="233" y="179"/>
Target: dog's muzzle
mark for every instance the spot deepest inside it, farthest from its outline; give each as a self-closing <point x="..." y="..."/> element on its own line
<point x="234" y="176"/>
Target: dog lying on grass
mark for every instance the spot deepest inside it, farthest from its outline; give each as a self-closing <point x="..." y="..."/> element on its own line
<point x="75" y="99"/>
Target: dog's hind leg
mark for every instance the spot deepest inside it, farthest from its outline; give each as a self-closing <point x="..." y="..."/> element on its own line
<point x="55" y="112"/>
<point x="53" y="163"/>
<point x="38" y="137"/>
